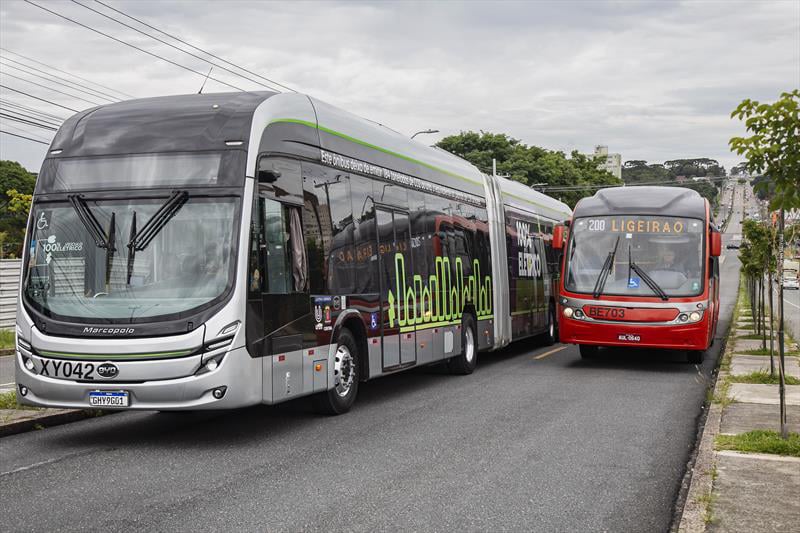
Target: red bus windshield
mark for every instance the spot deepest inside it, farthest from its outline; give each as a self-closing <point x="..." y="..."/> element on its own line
<point x="636" y="255"/>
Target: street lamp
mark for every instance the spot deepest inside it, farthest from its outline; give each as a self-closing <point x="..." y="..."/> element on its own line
<point x="424" y="131"/>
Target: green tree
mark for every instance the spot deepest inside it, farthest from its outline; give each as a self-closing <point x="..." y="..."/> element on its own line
<point x="16" y="186"/>
<point x="530" y="164"/>
<point x="773" y="148"/>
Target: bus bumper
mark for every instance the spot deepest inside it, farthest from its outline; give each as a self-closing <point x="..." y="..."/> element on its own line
<point x="238" y="378"/>
<point x="668" y="337"/>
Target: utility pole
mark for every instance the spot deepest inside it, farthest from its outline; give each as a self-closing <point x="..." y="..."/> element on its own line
<point x="781" y="366"/>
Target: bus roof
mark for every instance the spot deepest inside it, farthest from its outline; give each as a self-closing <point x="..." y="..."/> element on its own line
<point x="644" y="200"/>
<point x="160" y="124"/>
<point x="522" y="197"/>
<point x="288" y="123"/>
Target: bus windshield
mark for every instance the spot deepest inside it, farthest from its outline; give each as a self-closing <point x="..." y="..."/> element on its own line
<point x="636" y="255"/>
<point x="131" y="265"/>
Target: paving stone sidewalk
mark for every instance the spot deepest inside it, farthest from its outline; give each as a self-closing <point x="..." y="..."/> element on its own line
<point x="732" y="491"/>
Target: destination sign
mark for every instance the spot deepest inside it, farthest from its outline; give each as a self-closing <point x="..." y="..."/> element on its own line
<point x="639" y="224"/>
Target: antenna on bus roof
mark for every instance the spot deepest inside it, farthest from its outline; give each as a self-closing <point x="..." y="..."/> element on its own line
<point x="205" y="80"/>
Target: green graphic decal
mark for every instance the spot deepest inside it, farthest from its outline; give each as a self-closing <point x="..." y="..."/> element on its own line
<point x="441" y="299"/>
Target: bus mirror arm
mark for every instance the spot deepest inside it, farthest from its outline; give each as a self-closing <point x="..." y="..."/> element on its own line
<point x="558" y="237"/>
<point x="716" y="244"/>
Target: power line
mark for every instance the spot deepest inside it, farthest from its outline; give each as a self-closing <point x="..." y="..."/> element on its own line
<point x="10" y="103"/>
<point x="51" y="89"/>
<point x="194" y="47"/>
<point x="99" y="94"/>
<point x="37" y="98"/>
<point x="65" y="72"/>
<point x="602" y="186"/>
<point x="23" y="137"/>
<point x="48" y="80"/>
<point x="134" y="46"/>
<point x="171" y="45"/>
<point x="25" y="115"/>
<point x="18" y="128"/>
<point x="26" y="121"/>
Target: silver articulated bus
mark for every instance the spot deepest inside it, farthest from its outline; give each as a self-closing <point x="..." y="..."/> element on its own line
<point x="223" y="250"/>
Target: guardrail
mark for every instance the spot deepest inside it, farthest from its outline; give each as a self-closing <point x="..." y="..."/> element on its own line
<point x="9" y="285"/>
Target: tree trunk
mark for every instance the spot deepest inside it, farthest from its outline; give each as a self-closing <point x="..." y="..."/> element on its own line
<point x="763" y="317"/>
<point x="771" y="331"/>
<point x="781" y="365"/>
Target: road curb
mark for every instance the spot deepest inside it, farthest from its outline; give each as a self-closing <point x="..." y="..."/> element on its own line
<point x="694" y="516"/>
<point x="63" y="416"/>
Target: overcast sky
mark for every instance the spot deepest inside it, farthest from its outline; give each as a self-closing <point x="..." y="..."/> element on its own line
<point x="652" y="80"/>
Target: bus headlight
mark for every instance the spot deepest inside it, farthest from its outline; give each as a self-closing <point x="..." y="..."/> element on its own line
<point x="568" y="312"/>
<point x="683" y="317"/>
<point x="578" y="313"/>
<point x="694" y="316"/>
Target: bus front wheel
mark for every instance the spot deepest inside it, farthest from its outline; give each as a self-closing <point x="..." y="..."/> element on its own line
<point x="340" y="398"/>
<point x="695" y="357"/>
<point x="466" y="362"/>
<point x="588" y="351"/>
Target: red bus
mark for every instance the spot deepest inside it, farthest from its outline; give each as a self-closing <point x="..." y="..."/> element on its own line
<point x="640" y="269"/>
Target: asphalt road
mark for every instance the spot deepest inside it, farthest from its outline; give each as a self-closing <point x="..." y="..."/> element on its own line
<point x="791" y="310"/>
<point x="535" y="439"/>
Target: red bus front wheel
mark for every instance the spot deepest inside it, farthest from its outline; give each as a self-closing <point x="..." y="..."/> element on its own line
<point x="588" y="351"/>
<point x="695" y="357"/>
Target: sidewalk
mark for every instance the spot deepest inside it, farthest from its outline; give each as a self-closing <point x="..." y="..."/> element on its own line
<point x="734" y="490"/>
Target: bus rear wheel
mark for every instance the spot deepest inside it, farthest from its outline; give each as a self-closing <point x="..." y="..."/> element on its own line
<point x="466" y="362"/>
<point x="340" y="398"/>
<point x="588" y="351"/>
<point x="695" y="357"/>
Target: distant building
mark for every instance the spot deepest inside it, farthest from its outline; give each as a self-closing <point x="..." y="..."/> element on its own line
<point x="613" y="162"/>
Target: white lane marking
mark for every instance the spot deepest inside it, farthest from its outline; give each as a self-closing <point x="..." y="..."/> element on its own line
<point x="6" y="384"/>
<point x="53" y="460"/>
<point x="34" y="465"/>
<point x="722" y="260"/>
<point x="775" y="290"/>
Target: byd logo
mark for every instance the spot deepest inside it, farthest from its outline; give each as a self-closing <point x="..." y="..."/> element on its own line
<point x="107" y="370"/>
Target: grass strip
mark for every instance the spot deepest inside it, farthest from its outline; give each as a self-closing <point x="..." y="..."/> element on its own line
<point x="760" y="441"/>
<point x="8" y="400"/>
<point x="759" y="351"/>
<point x="6" y="339"/>
<point x="762" y="377"/>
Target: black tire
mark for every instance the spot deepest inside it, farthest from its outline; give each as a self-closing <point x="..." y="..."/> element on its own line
<point x="340" y="398"/>
<point x="465" y="362"/>
<point x="550" y="336"/>
<point x="588" y="351"/>
<point x="695" y="357"/>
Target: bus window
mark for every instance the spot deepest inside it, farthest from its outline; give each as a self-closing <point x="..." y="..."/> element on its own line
<point x="365" y="265"/>
<point x="277" y="247"/>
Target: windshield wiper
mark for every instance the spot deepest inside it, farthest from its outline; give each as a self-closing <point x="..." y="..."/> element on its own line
<point x="139" y="240"/>
<point x="89" y="221"/>
<point x="603" y="276"/>
<point x="645" y="277"/>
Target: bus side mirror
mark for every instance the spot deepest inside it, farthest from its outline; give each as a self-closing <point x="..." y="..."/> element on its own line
<point x="716" y="244"/>
<point x="558" y="237"/>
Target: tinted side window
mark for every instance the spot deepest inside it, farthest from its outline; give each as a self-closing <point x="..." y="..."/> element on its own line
<point x="365" y="265"/>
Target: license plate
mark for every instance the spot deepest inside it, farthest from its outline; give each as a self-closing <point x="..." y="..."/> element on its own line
<point x="108" y="399"/>
<point x="606" y="313"/>
<point x="56" y="368"/>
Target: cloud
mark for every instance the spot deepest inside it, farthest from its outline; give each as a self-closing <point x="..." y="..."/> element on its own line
<point x="652" y="80"/>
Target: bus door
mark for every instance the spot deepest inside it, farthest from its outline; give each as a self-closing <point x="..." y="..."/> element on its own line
<point x="398" y="308"/>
